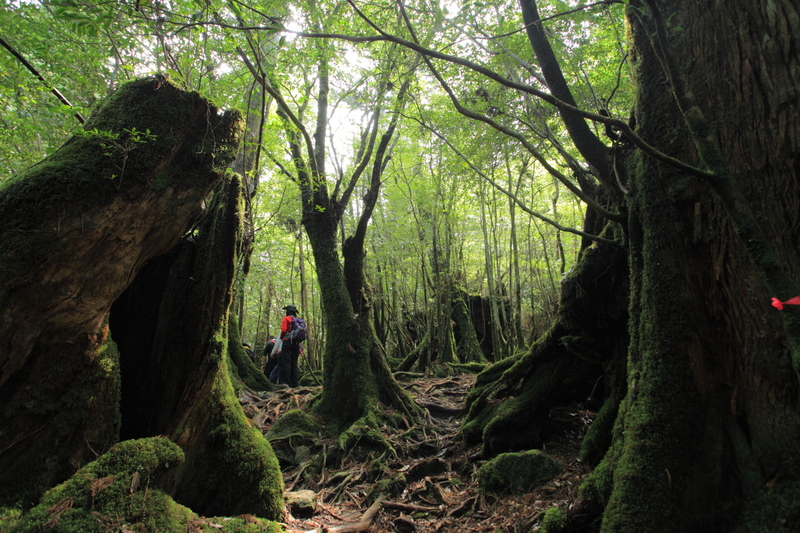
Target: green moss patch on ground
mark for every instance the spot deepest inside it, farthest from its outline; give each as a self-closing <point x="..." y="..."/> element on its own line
<point x="517" y="472"/>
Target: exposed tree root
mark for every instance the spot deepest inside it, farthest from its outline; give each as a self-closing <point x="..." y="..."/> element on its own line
<point x="428" y="480"/>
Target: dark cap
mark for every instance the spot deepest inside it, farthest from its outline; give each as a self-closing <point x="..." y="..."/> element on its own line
<point x="291" y="309"/>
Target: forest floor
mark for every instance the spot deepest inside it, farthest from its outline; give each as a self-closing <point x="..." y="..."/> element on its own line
<point x="437" y="491"/>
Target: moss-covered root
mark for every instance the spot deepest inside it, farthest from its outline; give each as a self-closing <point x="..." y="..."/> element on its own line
<point x="364" y="439"/>
<point x="232" y="468"/>
<point x="120" y="492"/>
<point x="243" y="369"/>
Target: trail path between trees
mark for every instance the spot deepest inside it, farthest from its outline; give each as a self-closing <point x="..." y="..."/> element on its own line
<point x="428" y="485"/>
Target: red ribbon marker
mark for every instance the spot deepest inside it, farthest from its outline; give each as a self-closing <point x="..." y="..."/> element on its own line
<point x="777" y="304"/>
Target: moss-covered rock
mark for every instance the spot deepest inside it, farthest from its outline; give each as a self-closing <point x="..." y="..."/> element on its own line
<point x="121" y="491"/>
<point x="302" y="502"/>
<point x="517" y="472"/>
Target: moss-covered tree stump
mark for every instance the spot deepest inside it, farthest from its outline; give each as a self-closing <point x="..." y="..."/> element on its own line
<point x="112" y="205"/>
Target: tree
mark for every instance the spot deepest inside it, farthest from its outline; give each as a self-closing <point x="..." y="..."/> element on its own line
<point x="355" y="371"/>
<point x="708" y="244"/>
<point x="705" y="374"/>
<point x="105" y="207"/>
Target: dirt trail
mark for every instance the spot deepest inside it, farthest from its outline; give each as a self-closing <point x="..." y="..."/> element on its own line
<point x="428" y="483"/>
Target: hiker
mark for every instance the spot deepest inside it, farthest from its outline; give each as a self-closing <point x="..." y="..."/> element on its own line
<point x="293" y="333"/>
<point x="270" y="358"/>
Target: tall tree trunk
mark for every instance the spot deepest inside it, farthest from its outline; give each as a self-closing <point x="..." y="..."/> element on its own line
<point x="709" y="420"/>
<point x="498" y="343"/>
<point x="355" y="374"/>
<point x="712" y="411"/>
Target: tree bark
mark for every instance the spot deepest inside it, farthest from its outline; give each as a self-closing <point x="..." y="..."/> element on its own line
<point x="469" y="349"/>
<point x="711" y="415"/>
<point x="77" y="229"/>
<point x="709" y="377"/>
<point x="705" y="403"/>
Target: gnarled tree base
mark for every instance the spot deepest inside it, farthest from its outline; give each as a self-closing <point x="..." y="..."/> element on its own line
<point x="509" y="406"/>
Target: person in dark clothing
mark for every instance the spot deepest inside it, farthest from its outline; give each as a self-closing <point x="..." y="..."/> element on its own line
<point x="288" y="371"/>
<point x="270" y="360"/>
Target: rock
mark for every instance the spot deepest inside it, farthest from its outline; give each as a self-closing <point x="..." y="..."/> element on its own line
<point x="518" y="472"/>
<point x="302" y="503"/>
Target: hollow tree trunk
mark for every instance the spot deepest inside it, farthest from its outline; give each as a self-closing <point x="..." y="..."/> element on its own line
<point x="76" y="229"/>
<point x="186" y="390"/>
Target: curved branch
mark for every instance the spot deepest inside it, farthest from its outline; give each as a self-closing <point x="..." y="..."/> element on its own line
<point x="35" y="72"/>
<point x="510" y="133"/>
<point x="480" y="69"/>
<point x="588" y="144"/>
<point x="284" y="110"/>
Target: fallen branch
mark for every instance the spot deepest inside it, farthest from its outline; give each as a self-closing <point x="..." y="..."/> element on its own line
<point x="364" y="523"/>
<point x="412" y="508"/>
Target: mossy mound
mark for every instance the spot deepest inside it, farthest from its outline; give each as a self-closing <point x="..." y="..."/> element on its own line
<point x="364" y="440"/>
<point x="120" y="492"/>
<point x="517" y="472"/>
<point x="554" y="521"/>
<point x="295" y="423"/>
<point x="294" y="437"/>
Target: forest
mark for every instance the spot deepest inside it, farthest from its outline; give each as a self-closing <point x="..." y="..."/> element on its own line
<point x="548" y="253"/>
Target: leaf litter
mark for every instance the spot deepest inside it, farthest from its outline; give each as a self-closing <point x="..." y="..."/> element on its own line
<point x="433" y="487"/>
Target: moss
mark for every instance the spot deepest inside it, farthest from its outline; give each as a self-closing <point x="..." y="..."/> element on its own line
<point x="311" y="379"/>
<point x="9" y="518"/>
<point x="554" y="521"/>
<point x="598" y="437"/>
<point x="468" y="368"/>
<point x="295" y="422"/>
<point x="71" y="183"/>
<point x="236" y="470"/>
<point x="364" y="439"/>
<point x="118" y="489"/>
<point x="472" y="430"/>
<point x="242" y="368"/>
<point x="295" y="437"/>
<point x="382" y="487"/>
<point x="517" y="472"/>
